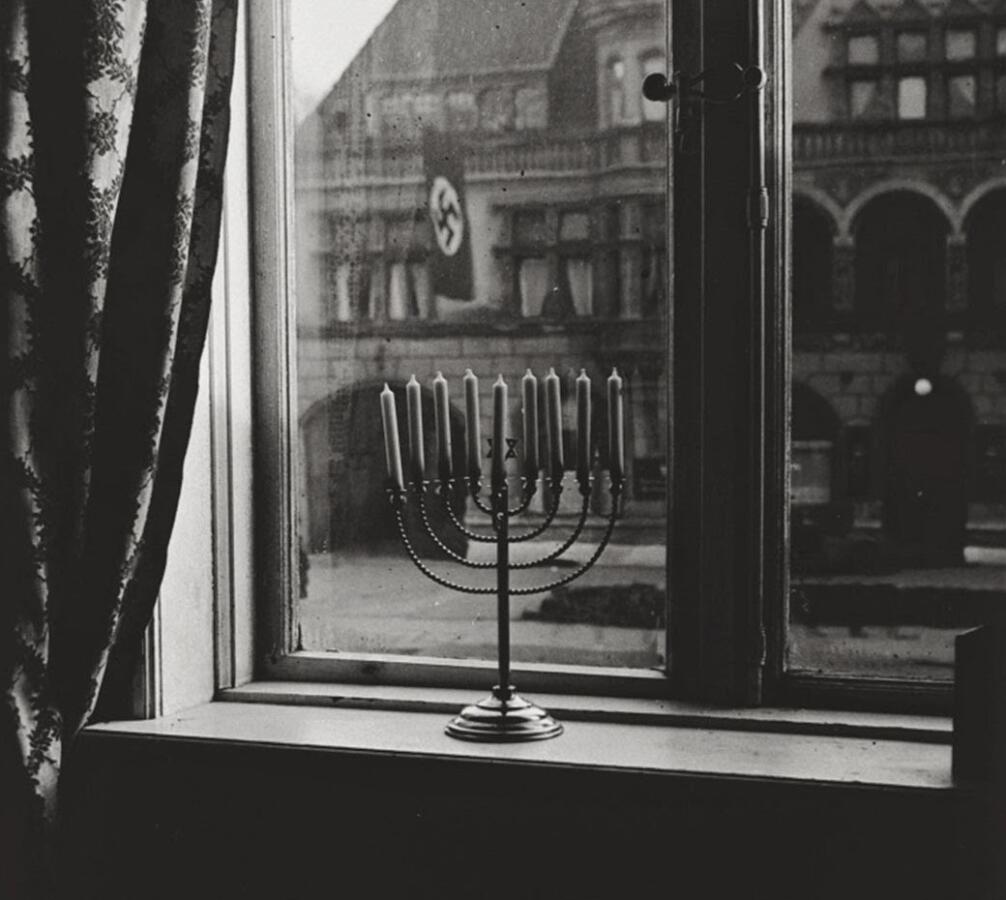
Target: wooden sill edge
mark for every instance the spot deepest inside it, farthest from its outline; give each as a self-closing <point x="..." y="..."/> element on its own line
<point x="766" y="746"/>
<point x="619" y="710"/>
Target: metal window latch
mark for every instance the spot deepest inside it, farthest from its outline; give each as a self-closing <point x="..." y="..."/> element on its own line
<point x="716" y="86"/>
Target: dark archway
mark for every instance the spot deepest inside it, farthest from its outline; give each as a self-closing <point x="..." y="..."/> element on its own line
<point x="927" y="425"/>
<point x="346" y="475"/>
<point x="813" y="241"/>
<point x="986" y="250"/>
<point x="901" y="250"/>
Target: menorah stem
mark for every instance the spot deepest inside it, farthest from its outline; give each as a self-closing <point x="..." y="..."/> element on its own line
<point x="501" y="500"/>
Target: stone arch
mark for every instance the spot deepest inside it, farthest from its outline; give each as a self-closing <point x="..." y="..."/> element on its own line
<point x="926" y="428"/>
<point x="345" y="474"/>
<point x="901" y="261"/>
<point x="979" y="193"/>
<point x="825" y="202"/>
<point x="813" y="254"/>
<point x="985" y="230"/>
<point x="900" y="185"/>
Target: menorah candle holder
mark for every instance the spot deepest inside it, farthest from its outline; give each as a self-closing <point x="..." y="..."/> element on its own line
<point x="504" y="715"/>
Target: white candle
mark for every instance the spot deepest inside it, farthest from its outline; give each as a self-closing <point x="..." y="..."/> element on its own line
<point x="499" y="431"/>
<point x="553" y="419"/>
<point x="392" y="451"/>
<point x="441" y="401"/>
<point x="616" y="433"/>
<point x="583" y="427"/>
<point x="473" y="427"/>
<point x="414" y="403"/>
<point x="529" y="386"/>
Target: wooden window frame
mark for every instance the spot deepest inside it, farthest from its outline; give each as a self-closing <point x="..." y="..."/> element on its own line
<point x="727" y="538"/>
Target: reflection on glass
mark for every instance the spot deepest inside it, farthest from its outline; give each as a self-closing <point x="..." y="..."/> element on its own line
<point x="898" y="436"/>
<point x="545" y="248"/>
<point x="961" y="95"/>
<point x="863" y="95"/>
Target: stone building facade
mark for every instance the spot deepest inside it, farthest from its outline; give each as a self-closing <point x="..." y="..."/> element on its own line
<point x="899" y="281"/>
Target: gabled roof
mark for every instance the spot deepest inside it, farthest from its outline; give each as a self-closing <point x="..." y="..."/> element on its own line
<point x="802" y="10"/>
<point x="910" y="11"/>
<point x="861" y="13"/>
<point x="423" y="39"/>
<point x="961" y="8"/>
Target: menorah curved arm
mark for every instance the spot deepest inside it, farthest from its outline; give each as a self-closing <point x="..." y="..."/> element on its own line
<point x="457" y="557"/>
<point x="527" y="564"/>
<point x="522" y="592"/>
<point x="491" y="539"/>
<point x="530" y="488"/>
<point x="425" y="569"/>
<point x="576" y="573"/>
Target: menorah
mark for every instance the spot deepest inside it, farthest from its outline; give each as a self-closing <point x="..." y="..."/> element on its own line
<point x="504" y="715"/>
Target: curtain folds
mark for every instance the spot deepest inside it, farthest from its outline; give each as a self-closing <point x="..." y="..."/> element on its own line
<point x="113" y="131"/>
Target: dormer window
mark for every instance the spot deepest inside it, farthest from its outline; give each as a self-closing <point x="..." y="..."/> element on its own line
<point x="912" y="46"/>
<point x="960" y="44"/>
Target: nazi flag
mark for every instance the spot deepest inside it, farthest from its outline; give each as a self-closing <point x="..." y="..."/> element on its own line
<point x="451" y="255"/>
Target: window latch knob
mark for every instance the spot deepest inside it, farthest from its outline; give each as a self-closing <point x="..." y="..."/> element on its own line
<point x="720" y="84"/>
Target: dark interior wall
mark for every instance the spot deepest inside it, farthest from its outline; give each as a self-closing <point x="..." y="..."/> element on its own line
<point x="166" y="819"/>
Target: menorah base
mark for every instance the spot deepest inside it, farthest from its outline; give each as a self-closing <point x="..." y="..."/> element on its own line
<point x="504" y="716"/>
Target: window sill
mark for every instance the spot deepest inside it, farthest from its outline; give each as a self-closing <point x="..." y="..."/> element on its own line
<point x="906" y="753"/>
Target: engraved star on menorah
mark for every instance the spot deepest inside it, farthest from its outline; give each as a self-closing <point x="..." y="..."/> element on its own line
<point x="504" y="715"/>
<point x="511" y="448"/>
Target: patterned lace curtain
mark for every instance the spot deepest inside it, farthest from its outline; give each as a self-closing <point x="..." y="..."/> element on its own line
<point x="113" y="127"/>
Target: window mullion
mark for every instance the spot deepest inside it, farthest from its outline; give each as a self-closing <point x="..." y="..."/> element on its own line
<point x="719" y="373"/>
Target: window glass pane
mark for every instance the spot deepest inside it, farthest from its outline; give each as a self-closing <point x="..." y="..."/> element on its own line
<point x="532" y="108"/>
<point x="574" y="226"/>
<point x="911" y="98"/>
<point x="497" y="109"/>
<point x="1001" y="93"/>
<point x="961" y="95"/>
<point x="618" y="99"/>
<point x="864" y="49"/>
<point x="457" y="204"/>
<point x="960" y="44"/>
<point x="864" y="99"/>
<point x="897" y="414"/>
<point x="913" y="46"/>
<point x="462" y="111"/>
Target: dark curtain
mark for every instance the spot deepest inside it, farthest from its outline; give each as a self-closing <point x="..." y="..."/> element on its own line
<point x="113" y="127"/>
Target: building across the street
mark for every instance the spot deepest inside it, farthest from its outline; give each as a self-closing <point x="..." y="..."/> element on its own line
<point x="899" y="253"/>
